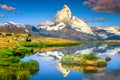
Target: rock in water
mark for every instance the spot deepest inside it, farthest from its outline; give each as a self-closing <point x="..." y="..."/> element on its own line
<point x="107" y="58"/>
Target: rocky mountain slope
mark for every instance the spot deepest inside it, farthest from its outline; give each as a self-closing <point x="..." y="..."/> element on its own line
<point x="15" y="30"/>
<point x="65" y="18"/>
<point x="108" y="33"/>
<point x="68" y="26"/>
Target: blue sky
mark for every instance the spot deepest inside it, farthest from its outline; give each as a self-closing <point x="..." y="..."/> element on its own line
<point x="37" y="11"/>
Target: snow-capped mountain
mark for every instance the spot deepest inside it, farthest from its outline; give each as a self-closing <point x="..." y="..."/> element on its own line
<point x="12" y="24"/>
<point x="11" y="27"/>
<point x="80" y="25"/>
<point x="57" y="27"/>
<point x="113" y="29"/>
<point x="65" y="18"/>
<point x="107" y="33"/>
<point x="68" y="26"/>
<point x="26" y="27"/>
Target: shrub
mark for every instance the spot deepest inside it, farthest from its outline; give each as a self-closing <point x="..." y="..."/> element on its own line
<point x="81" y="59"/>
<point x="90" y="57"/>
<point x="8" y="52"/>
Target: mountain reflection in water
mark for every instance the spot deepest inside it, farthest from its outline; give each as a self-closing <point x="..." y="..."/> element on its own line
<point x="108" y="75"/>
<point x="52" y="69"/>
<point x="103" y="49"/>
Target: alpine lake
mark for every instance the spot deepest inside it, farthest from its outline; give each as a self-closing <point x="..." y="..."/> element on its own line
<point x="50" y="67"/>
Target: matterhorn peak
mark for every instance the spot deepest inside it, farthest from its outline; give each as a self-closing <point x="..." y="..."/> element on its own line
<point x="65" y="6"/>
<point x="64" y="15"/>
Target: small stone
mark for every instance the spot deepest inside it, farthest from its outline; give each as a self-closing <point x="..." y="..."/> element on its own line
<point x="107" y="58"/>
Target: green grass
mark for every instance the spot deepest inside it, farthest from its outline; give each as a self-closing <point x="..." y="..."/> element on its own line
<point x="44" y="45"/>
<point x="63" y="44"/>
<point x="33" y="44"/>
<point x="13" y="48"/>
<point x="14" y="69"/>
<point x="18" y="71"/>
<point x="82" y="59"/>
<point x="90" y="57"/>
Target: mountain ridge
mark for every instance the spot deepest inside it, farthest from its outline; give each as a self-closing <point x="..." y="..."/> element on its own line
<point x="68" y="26"/>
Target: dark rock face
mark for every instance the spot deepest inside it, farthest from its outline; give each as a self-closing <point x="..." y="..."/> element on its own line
<point x="68" y="32"/>
<point x="114" y="37"/>
<point x="31" y="28"/>
<point x="12" y="30"/>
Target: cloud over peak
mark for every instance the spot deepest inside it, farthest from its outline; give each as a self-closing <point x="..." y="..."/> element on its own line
<point x="47" y="22"/>
<point x="111" y="6"/>
<point x="6" y="7"/>
<point x="1" y="15"/>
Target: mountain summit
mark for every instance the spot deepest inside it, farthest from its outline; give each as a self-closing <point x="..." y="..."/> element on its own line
<point x="65" y="18"/>
<point x="68" y="26"/>
<point x="64" y="15"/>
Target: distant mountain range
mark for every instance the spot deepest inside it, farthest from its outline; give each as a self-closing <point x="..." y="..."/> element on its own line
<point x="69" y="27"/>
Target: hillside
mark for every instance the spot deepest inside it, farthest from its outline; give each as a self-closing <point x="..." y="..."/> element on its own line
<point x="15" y="30"/>
<point x="17" y="41"/>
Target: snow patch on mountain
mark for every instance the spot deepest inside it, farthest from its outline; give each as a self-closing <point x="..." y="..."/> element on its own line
<point x="13" y="24"/>
<point x="80" y="25"/>
<point x="115" y="30"/>
<point x="57" y="27"/>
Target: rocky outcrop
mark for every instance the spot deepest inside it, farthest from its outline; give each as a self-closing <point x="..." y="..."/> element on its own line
<point x="15" y="30"/>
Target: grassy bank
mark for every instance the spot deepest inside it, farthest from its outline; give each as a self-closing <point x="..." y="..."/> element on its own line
<point x="14" y="69"/>
<point x="18" y="70"/>
<point x="13" y="48"/>
<point x="24" y="41"/>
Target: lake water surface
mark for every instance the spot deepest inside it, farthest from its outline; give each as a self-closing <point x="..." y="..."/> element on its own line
<point x="51" y="69"/>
